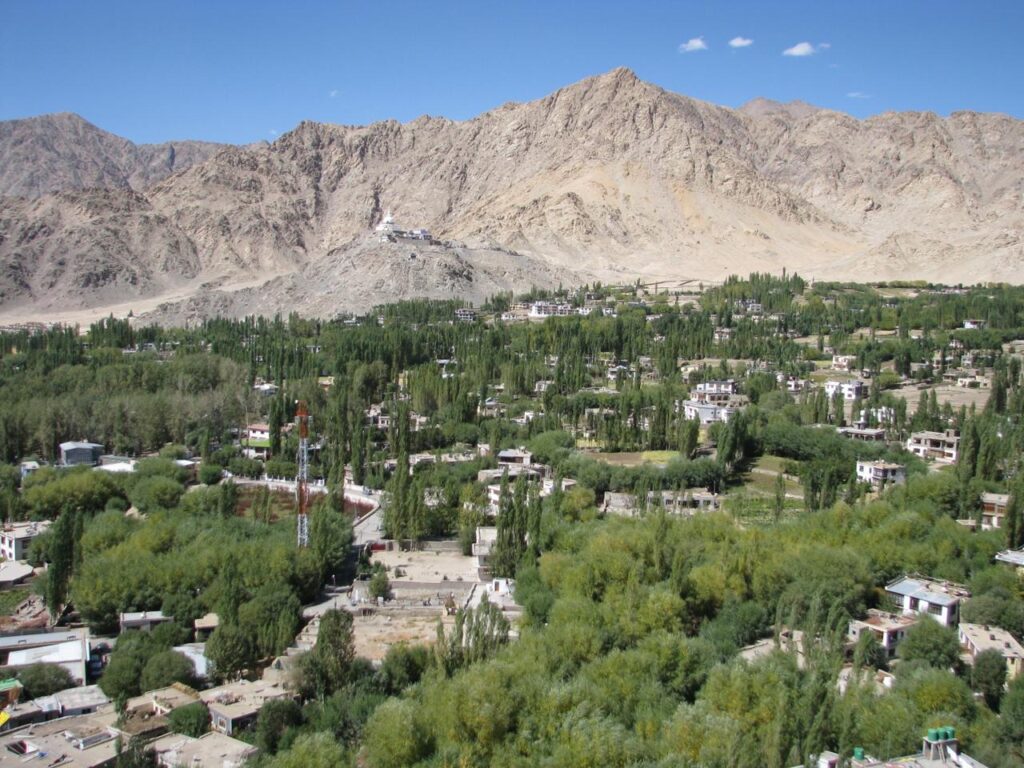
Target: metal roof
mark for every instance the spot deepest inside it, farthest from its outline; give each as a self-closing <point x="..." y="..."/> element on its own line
<point x="932" y="592"/>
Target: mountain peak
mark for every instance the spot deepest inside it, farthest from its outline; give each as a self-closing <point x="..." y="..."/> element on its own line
<point x="762" y="107"/>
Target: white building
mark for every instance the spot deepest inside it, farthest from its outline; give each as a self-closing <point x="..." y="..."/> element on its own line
<point x="707" y="413"/>
<point x="843" y="362"/>
<point x="933" y="597"/>
<point x="15" y="538"/>
<point x="548" y="309"/>
<point x="888" y="628"/>
<point x="993" y="510"/>
<point x="851" y="390"/>
<point x="940" y="446"/>
<point x="881" y="474"/>
<point x="976" y="638"/>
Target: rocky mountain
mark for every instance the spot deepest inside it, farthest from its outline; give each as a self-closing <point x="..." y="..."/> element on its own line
<point x="610" y="178"/>
<point x="62" y="152"/>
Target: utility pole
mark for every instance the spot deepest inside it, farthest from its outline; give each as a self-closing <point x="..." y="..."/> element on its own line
<point x="302" y="416"/>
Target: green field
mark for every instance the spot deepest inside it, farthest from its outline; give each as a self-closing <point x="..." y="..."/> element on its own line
<point x="637" y="458"/>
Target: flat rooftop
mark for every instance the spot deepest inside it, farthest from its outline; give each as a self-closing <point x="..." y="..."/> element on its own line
<point x="933" y="591"/>
<point x="69" y="742"/>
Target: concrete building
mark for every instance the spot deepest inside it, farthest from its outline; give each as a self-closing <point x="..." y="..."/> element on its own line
<point x="865" y="435"/>
<point x="709" y="391"/>
<point x="939" y="446"/>
<point x="235" y="706"/>
<point x="1013" y="557"/>
<point x="13" y="573"/>
<point x="888" y="628"/>
<point x="465" y="315"/>
<point x="15" y="538"/>
<point x="486" y="537"/>
<point x="843" y="362"/>
<point x="211" y="750"/>
<point x="881" y="474"/>
<point x="519" y="456"/>
<point x="74" y="453"/>
<point x="707" y="413"/>
<point x="547" y="309"/>
<point x="143" y="620"/>
<point x="993" y="510"/>
<point x="851" y="390"/>
<point x="976" y="638"/>
<point x="83" y="741"/>
<point x="69" y="648"/>
<point x="932" y="597"/>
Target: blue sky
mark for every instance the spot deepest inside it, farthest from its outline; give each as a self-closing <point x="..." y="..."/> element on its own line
<point x="231" y="71"/>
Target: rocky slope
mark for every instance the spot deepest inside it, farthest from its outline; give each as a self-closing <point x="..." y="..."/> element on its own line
<point x="59" y="152"/>
<point x="610" y="178"/>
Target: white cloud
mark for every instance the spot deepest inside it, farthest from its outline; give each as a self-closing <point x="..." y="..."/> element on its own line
<point x="333" y="94"/>
<point x="858" y="95"/>
<point x="693" y="44"/>
<point x="800" y="49"/>
<point x="740" y="42"/>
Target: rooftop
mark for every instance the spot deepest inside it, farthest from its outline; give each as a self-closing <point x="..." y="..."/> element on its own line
<point x="886" y="621"/>
<point x="25" y="530"/>
<point x="241" y="698"/>
<point x="82" y="741"/>
<point x="933" y="591"/>
<point x="213" y="749"/>
<point x="985" y="637"/>
<point x="1012" y="556"/>
<point x="1002" y="499"/>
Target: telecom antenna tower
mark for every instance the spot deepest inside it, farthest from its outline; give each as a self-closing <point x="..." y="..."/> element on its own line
<point x="301" y="493"/>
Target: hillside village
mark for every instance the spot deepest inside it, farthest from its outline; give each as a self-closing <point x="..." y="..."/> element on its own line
<point x="478" y="475"/>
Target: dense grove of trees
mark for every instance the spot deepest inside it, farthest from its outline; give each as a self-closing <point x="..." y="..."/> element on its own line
<point x="628" y="652"/>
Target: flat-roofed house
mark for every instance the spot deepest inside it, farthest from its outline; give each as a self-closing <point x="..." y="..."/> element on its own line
<point x="881" y="474"/>
<point x="939" y="446"/>
<point x="211" y="750"/>
<point x="515" y="456"/>
<point x="851" y="390"/>
<point x="1013" y="557"/>
<point x="236" y="705"/>
<point x="932" y="597"/>
<point x="144" y="620"/>
<point x="81" y="741"/>
<point x="863" y="434"/>
<point x="976" y="638"/>
<point x="69" y="648"/>
<point x="993" y="510"/>
<point x="75" y="452"/>
<point x="888" y="628"/>
<point x="12" y="573"/>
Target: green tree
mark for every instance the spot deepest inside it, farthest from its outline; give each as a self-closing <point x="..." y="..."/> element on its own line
<point x="380" y="586"/>
<point x="930" y="642"/>
<point x="191" y="720"/>
<point x="167" y="667"/>
<point x="328" y="666"/>
<point x="210" y="474"/>
<point x="44" y="679"/>
<point x="988" y="676"/>
<point x="311" y="750"/>
<point x="276" y="717"/>
<point x="152" y="494"/>
<point x="395" y="736"/>
<point x="230" y="649"/>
